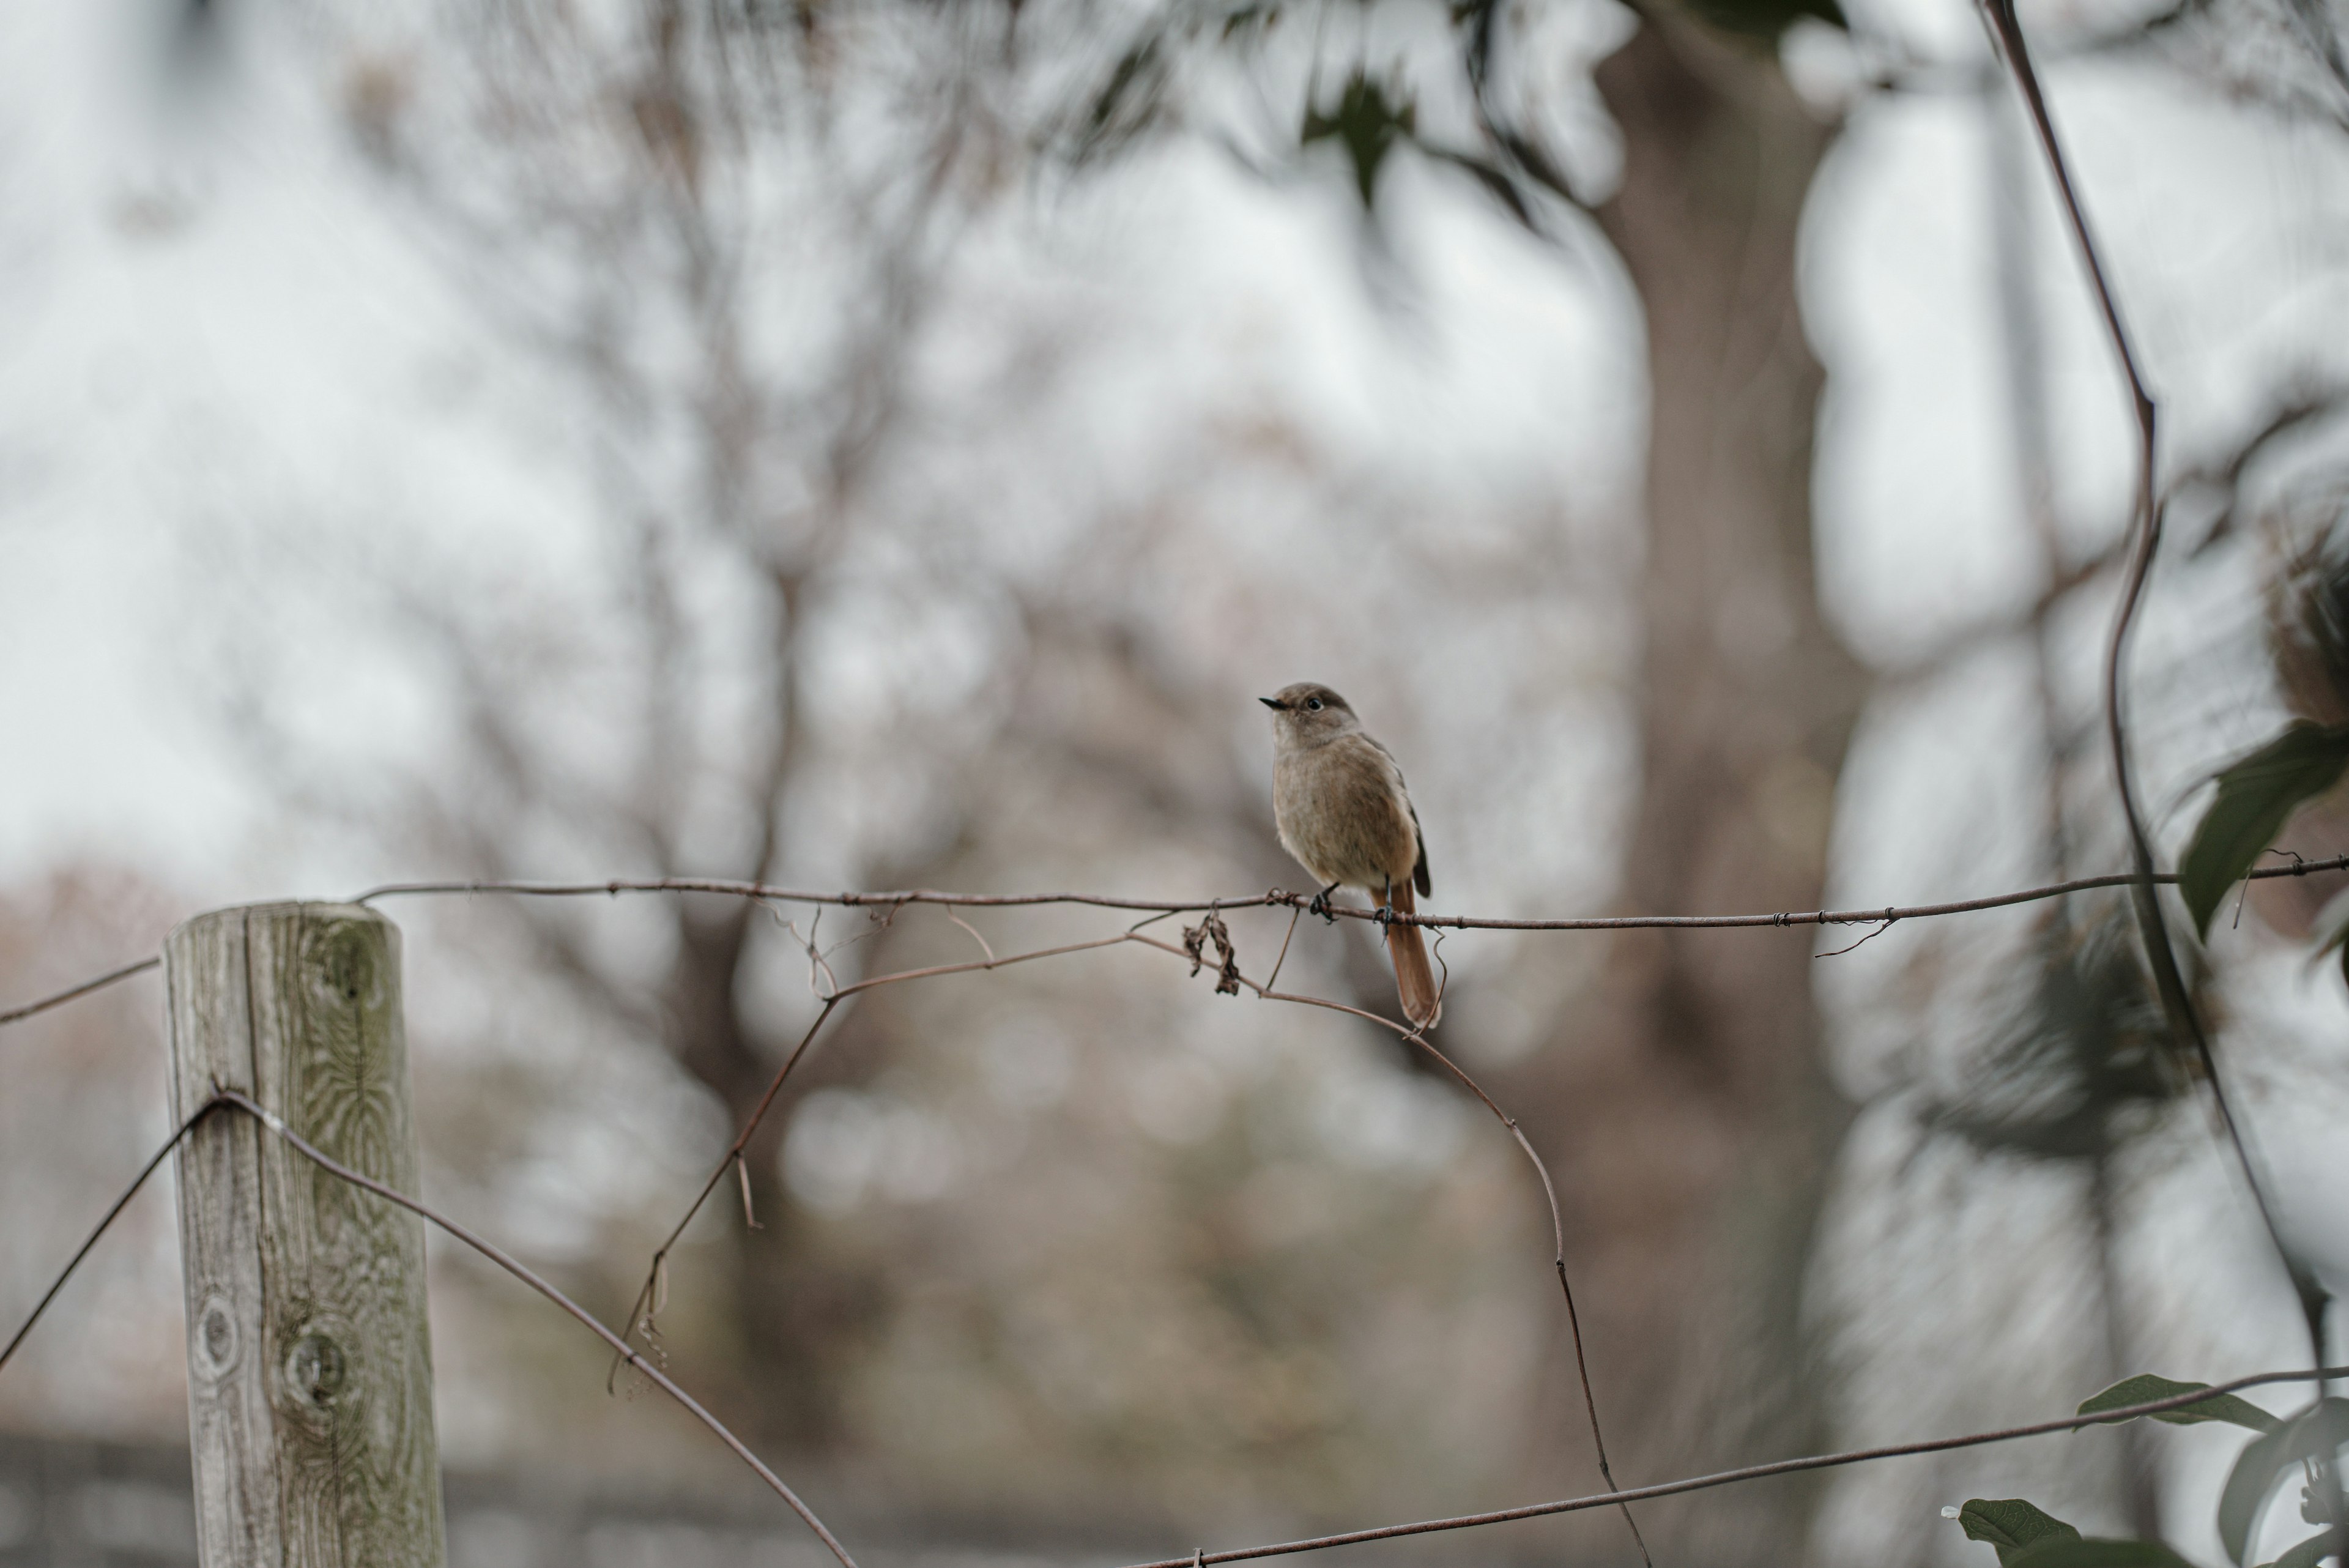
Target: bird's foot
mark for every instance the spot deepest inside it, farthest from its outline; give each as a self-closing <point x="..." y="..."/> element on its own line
<point x="1320" y="905"/>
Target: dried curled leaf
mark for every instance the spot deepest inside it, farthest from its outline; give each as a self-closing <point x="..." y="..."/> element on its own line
<point x="1228" y="965"/>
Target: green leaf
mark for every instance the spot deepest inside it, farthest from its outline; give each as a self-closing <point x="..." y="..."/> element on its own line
<point x="2145" y="1388"/>
<point x="2255" y="795"/>
<point x="2308" y="1553"/>
<point x="2321" y="1428"/>
<point x="2095" y="1553"/>
<point x="2011" y="1525"/>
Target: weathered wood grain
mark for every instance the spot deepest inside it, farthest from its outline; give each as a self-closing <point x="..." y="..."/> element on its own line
<point x="309" y="1360"/>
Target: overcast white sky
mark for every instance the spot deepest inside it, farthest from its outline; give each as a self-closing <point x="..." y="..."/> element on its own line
<point x="217" y="318"/>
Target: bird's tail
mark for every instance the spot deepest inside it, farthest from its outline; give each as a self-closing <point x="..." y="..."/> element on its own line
<point x="1414" y="977"/>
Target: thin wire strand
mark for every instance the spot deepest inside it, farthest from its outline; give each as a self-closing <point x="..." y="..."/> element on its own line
<point x="1418" y="1040"/>
<point x="1281" y="899"/>
<point x="99" y="983"/>
<point x="1199" y="1557"/>
<point x="640" y="1314"/>
<point x="645" y="1309"/>
<point x="103" y="1225"/>
<point x="1749" y="1472"/>
<point x="513" y="1266"/>
<point x="739" y="889"/>
<point x="1276" y="899"/>
<point x="647" y="1292"/>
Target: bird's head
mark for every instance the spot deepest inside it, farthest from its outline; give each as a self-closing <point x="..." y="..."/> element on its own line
<point x="1308" y="713"/>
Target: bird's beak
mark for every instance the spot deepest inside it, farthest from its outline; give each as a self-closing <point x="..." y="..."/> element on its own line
<point x="1275" y="703"/>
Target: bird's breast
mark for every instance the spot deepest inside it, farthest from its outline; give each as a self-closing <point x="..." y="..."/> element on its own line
<point x="1342" y="812"/>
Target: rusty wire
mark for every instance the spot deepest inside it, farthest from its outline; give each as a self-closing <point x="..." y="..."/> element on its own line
<point x="230" y="1099"/>
<point x="2142" y="884"/>
<point x="97" y="982"/>
<point x="1278" y="898"/>
<point x="511" y="1264"/>
<point x="505" y="1260"/>
<point x="1748" y="1472"/>
<point x="120" y="1204"/>
<point x="643" y="1310"/>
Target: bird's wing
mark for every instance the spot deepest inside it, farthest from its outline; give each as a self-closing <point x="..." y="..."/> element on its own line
<point x="1418" y="878"/>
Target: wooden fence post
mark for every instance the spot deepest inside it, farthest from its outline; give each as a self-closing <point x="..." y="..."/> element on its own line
<point x="309" y="1360"/>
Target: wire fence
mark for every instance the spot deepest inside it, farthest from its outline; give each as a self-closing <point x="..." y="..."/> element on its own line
<point x="1210" y="942"/>
<point x="1207" y="943"/>
<point x="625" y="1354"/>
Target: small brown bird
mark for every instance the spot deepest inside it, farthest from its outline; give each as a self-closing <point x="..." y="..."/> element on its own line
<point x="1339" y="801"/>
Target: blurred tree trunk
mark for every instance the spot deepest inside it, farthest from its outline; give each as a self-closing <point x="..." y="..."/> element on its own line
<point x="1685" y="1104"/>
<point x="789" y="1310"/>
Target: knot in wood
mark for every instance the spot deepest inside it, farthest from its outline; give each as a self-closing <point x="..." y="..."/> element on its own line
<point x="317" y="1369"/>
<point x="216" y="1337"/>
<point x="346" y="957"/>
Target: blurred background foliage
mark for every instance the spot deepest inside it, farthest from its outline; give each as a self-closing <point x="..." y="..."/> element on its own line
<point x="878" y="443"/>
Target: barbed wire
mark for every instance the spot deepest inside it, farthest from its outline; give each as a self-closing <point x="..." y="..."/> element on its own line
<point x="1750" y="1473"/>
<point x="1229" y="980"/>
<point x="90" y="1240"/>
<point x="99" y="983"/>
<point x="2142" y="884"/>
<point x="1278" y="897"/>
<point x="513" y="1266"/>
<point x="233" y="1099"/>
<point x="1274" y="898"/>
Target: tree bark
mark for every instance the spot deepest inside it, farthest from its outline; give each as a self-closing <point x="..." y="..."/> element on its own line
<point x="1685" y="1104"/>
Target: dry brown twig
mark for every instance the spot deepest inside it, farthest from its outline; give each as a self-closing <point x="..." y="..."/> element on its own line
<point x="2145" y="544"/>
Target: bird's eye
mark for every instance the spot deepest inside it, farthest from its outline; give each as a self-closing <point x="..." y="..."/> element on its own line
<point x="1314" y="703"/>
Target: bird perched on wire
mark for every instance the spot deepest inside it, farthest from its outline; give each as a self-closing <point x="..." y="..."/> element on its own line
<point x="1339" y="801"/>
